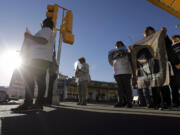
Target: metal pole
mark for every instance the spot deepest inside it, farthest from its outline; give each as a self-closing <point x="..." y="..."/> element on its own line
<point x="55" y="99"/>
<point x="60" y="42"/>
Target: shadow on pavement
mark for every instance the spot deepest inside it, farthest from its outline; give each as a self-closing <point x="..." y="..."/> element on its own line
<point x="75" y="122"/>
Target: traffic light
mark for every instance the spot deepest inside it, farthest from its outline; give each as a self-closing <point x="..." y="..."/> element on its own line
<point x="52" y="13"/>
<point x="68" y="38"/>
<point x="66" y="28"/>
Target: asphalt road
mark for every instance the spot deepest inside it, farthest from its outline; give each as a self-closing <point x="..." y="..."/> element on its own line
<point x="69" y="119"/>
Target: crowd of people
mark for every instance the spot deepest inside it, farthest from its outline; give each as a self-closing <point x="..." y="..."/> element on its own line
<point x="39" y="56"/>
<point x="164" y="96"/>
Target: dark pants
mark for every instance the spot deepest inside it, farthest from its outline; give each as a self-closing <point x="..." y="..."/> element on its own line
<point x="83" y="91"/>
<point x="156" y="96"/>
<point x="144" y="97"/>
<point x="35" y="71"/>
<point x="165" y="95"/>
<point x="161" y="96"/>
<point x="124" y="88"/>
<point x="175" y="91"/>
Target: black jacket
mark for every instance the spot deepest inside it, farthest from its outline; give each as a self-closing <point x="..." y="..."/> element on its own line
<point x="172" y="56"/>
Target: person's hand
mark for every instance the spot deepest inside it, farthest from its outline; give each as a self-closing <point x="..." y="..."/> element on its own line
<point x="77" y="72"/>
<point x="129" y="50"/>
<point x="178" y="66"/>
<point x="134" y="81"/>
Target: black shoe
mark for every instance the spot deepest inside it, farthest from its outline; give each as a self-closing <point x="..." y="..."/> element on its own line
<point x="22" y="108"/>
<point x="83" y="104"/>
<point x="118" y="104"/>
<point x="78" y="103"/>
<point x="129" y="105"/>
<point x="149" y="106"/>
<point x="142" y="105"/>
<point x="163" y="107"/>
<point x="47" y="102"/>
<point x="156" y="107"/>
<point x="175" y="105"/>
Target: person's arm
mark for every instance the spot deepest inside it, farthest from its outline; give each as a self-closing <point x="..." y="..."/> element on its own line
<point x="76" y="73"/>
<point x="110" y="58"/>
<point x="37" y="39"/>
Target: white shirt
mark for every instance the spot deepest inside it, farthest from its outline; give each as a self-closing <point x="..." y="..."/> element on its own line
<point x="83" y="74"/>
<point x="121" y="66"/>
<point x="146" y="68"/>
<point x="35" y="50"/>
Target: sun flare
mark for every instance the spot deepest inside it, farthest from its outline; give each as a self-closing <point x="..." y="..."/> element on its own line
<point x="10" y="60"/>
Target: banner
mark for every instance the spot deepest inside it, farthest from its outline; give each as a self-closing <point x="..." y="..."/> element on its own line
<point x="150" y="62"/>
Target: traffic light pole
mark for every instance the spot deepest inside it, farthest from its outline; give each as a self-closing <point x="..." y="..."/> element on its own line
<point x="55" y="99"/>
<point x="60" y="38"/>
<point x="60" y="42"/>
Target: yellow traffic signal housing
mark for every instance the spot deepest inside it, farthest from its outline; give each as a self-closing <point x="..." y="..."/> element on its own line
<point x="52" y="13"/>
<point x="170" y="6"/>
<point x="66" y="28"/>
<point x="68" y="38"/>
<point x="68" y="21"/>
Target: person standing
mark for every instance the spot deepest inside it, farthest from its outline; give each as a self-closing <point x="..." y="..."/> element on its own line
<point x="36" y="60"/>
<point x="174" y="79"/>
<point x="144" y="94"/>
<point x="82" y="78"/>
<point x="122" y="73"/>
<point x="161" y="95"/>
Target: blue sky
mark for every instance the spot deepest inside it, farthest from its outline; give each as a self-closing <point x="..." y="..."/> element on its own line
<point x="97" y="25"/>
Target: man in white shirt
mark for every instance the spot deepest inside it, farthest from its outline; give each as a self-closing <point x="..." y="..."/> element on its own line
<point x="82" y="79"/>
<point x="122" y="75"/>
<point x="36" y="60"/>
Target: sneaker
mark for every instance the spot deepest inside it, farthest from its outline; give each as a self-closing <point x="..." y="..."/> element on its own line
<point x="22" y="108"/>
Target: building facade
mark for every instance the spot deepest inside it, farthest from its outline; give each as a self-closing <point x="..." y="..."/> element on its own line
<point x="97" y="90"/>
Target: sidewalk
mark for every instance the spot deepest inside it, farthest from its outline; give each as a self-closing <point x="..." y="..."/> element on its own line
<point x="93" y="119"/>
<point x="104" y="108"/>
